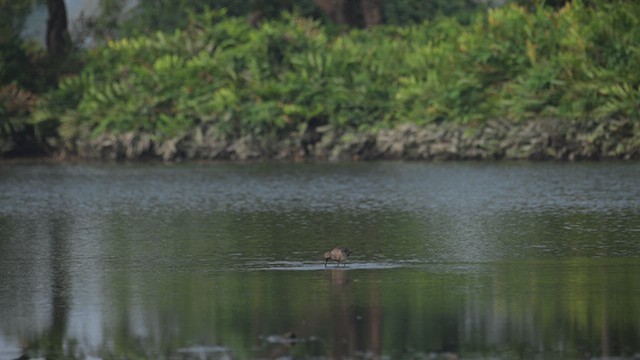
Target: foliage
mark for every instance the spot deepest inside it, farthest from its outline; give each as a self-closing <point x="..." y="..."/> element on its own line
<point x="116" y="19"/>
<point x="293" y="72"/>
<point x="519" y="64"/>
<point x="17" y="59"/>
<point x="404" y="12"/>
<point x="15" y="106"/>
<point x="148" y="16"/>
<point x="25" y="72"/>
<point x="12" y="18"/>
<point x="243" y="80"/>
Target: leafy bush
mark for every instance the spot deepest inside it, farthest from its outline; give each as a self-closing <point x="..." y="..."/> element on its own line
<point x="24" y="74"/>
<point x="15" y="106"/>
<point x="291" y="73"/>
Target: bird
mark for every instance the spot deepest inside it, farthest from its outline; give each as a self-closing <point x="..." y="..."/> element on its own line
<point x="337" y="254"/>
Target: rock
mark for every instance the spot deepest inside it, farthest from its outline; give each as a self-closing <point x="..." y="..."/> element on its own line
<point x="245" y="148"/>
<point x="168" y="149"/>
<point x="493" y="139"/>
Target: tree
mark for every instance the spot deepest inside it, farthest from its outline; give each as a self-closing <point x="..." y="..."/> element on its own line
<point x="371" y="12"/>
<point x="57" y="39"/>
<point x="346" y="12"/>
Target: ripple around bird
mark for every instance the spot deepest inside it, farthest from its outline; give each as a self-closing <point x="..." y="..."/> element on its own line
<point x="304" y="266"/>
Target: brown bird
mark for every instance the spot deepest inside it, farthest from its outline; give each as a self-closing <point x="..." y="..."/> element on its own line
<point x="337" y="254"/>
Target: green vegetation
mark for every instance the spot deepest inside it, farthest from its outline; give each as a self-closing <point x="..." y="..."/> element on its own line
<point x="576" y="62"/>
<point x="154" y="15"/>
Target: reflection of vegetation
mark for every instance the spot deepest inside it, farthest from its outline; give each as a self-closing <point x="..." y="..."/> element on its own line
<point x="472" y="309"/>
<point x="583" y="234"/>
<point x="172" y="282"/>
<point x="393" y="310"/>
<point x="53" y="342"/>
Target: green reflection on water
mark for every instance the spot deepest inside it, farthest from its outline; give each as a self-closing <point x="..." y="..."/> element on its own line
<point x="176" y="282"/>
<point x="572" y="307"/>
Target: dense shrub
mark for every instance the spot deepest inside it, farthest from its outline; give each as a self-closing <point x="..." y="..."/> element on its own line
<point x="25" y="72"/>
<point x="575" y="63"/>
<point x="287" y="74"/>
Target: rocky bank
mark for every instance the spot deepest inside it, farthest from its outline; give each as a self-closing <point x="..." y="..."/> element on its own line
<point x="498" y="139"/>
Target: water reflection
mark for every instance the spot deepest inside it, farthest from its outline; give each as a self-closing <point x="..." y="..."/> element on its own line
<point x="226" y="261"/>
<point x="60" y="287"/>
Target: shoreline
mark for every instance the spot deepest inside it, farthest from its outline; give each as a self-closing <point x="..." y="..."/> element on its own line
<point x="557" y="140"/>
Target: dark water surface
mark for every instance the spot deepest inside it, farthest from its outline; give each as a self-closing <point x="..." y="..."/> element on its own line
<point x="224" y="261"/>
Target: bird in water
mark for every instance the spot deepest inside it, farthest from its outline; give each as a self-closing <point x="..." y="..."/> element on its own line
<point x="337" y="254"/>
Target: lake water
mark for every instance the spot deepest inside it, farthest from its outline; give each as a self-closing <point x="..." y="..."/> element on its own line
<point x="224" y="261"/>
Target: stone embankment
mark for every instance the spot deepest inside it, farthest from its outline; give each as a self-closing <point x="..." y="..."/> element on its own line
<point x="533" y="140"/>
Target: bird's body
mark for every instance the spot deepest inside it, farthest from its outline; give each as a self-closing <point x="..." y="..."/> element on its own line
<point x="337" y="254"/>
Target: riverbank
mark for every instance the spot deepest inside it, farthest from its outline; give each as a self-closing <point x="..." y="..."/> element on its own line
<point x="563" y="84"/>
<point x="492" y="140"/>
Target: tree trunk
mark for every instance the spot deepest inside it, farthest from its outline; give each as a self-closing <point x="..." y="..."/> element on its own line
<point x="58" y="39"/>
<point x="334" y="9"/>
<point x="345" y="12"/>
<point x="371" y="12"/>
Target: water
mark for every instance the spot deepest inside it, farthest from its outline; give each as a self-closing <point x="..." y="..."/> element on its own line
<point x="219" y="261"/>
